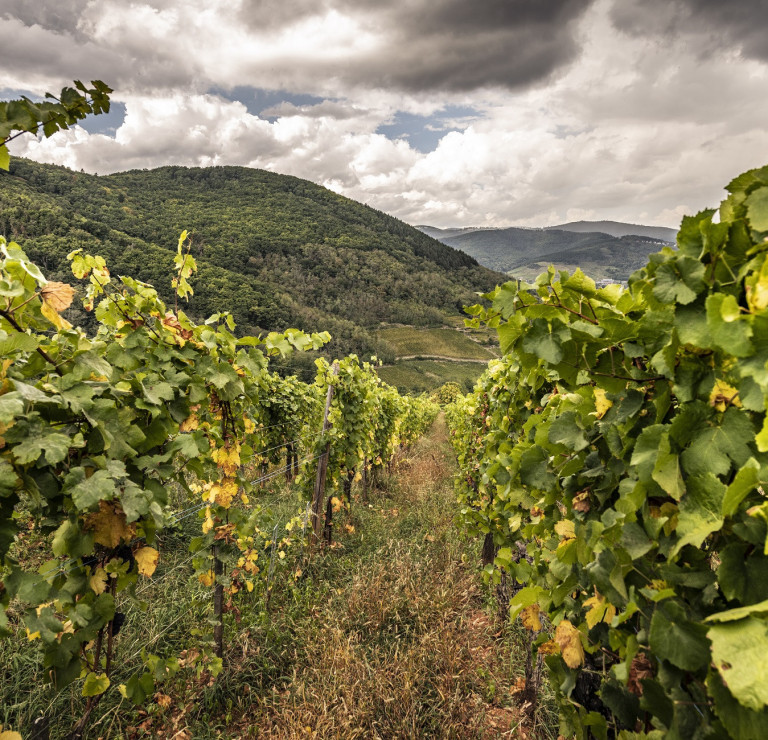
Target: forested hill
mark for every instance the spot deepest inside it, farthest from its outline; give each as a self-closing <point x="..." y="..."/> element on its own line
<point x="275" y="250"/>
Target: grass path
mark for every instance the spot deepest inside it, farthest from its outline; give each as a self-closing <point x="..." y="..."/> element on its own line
<point x="403" y="642"/>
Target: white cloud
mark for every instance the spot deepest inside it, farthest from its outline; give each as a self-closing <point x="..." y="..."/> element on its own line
<point x="638" y="127"/>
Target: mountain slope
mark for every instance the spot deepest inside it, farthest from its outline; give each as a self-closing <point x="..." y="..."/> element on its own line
<point x="274" y="250"/>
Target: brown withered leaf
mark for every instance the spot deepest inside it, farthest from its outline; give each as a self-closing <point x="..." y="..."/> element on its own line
<point x="109" y="525"/>
<point x="639" y="669"/>
<point x="581" y="502"/>
<point x="58" y="295"/>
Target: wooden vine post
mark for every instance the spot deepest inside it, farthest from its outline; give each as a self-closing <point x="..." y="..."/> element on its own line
<point x="322" y="466"/>
<point x="218" y="605"/>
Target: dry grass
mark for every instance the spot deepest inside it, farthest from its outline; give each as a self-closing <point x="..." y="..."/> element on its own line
<point x="406" y="648"/>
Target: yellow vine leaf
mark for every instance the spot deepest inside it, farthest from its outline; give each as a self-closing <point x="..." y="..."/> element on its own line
<point x="349" y="528"/>
<point x="33" y="635"/>
<point x="336" y="504"/>
<point x="98" y="580"/>
<point x="109" y="525"/>
<point x="530" y="618"/>
<point x="206" y="579"/>
<point x="602" y="404"/>
<point x="249" y="426"/>
<point x="724" y="395"/>
<point x="358" y="477"/>
<point x="58" y="295"/>
<point x="228" y="459"/>
<point x="208" y="523"/>
<point x="189" y="424"/>
<point x="146" y="560"/>
<point x="9" y="734"/>
<point x="569" y="640"/>
<point x="757" y="293"/>
<point x="550" y="647"/>
<point x="224" y="491"/>
<point x="600" y="611"/>
<point x="566" y="529"/>
<point x="52" y="315"/>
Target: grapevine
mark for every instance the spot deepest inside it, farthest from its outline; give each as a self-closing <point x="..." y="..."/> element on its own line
<point x="617" y="456"/>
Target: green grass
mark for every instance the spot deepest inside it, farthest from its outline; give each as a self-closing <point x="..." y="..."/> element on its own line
<point x="419" y="376"/>
<point x="409" y="342"/>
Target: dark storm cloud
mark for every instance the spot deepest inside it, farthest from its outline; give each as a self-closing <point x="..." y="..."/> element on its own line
<point x="717" y="24"/>
<point x="53" y="15"/>
<point x="450" y="45"/>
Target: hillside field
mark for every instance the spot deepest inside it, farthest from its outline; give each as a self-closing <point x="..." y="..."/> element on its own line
<point x="409" y="341"/>
<point x="419" y="376"/>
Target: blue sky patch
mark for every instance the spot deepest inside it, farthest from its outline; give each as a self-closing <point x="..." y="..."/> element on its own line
<point x="423" y="133"/>
<point x="257" y="100"/>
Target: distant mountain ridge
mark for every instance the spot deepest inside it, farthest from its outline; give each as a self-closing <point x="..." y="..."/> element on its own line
<point x="612" y="252"/>
<point x="619" y="229"/>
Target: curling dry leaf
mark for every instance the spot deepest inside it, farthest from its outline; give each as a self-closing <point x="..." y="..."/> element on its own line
<point x="57" y="295"/>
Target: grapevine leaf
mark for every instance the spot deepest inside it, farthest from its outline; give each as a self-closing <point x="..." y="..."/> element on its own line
<point x="87" y="492"/>
<point x="666" y="471"/>
<point x="57" y="295"/>
<point x="700" y="511"/>
<point x="109" y="526"/>
<point x="98" y="580"/>
<point x="95" y="684"/>
<point x="728" y="328"/>
<point x="713" y="448"/>
<point x="741" y="722"/>
<point x="679" y="280"/>
<point x="760" y="609"/>
<point x="757" y="209"/>
<point x="743" y="576"/>
<point x="738" y="652"/>
<point x="55" y="446"/>
<point x="743" y="482"/>
<point x="17" y="342"/>
<point x="646" y="450"/>
<point x="675" y="638"/>
<point x="544" y="341"/>
<point x="566" y="430"/>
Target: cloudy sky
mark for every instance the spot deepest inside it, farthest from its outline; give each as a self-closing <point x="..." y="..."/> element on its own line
<point x="441" y="112"/>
